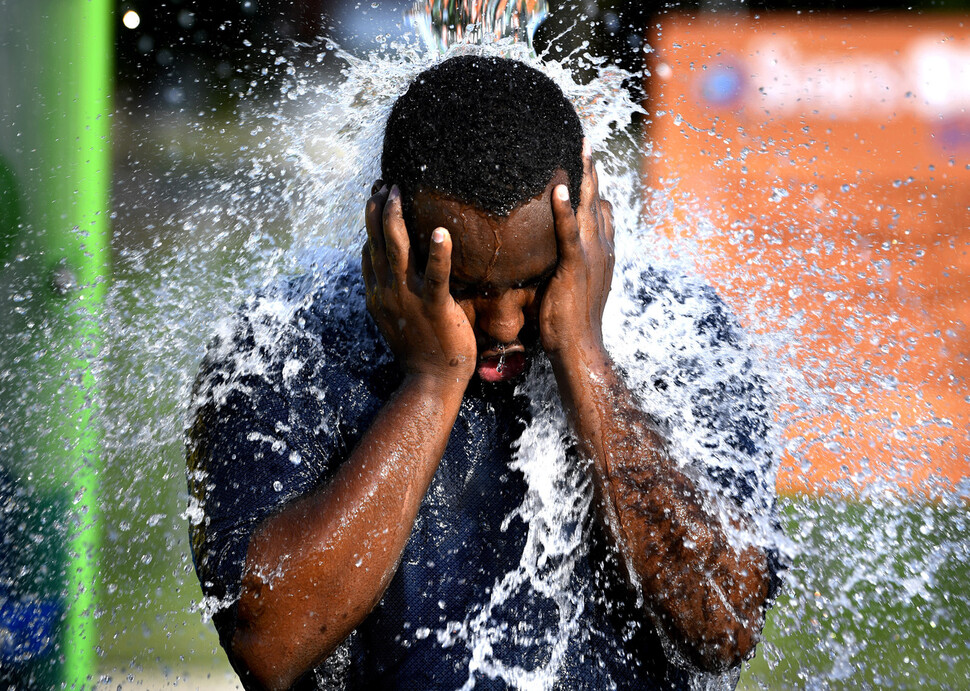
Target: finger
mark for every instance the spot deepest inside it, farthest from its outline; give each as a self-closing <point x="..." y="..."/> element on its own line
<point x="397" y="243"/>
<point x="376" y="187"/>
<point x="438" y="272"/>
<point x="375" y="231"/>
<point x="595" y="176"/>
<point x="567" y="228"/>
<point x="587" y="191"/>
<point x="589" y="212"/>
<point x="596" y="194"/>
<point x="609" y="246"/>
<point x="594" y="172"/>
<point x="370" y="281"/>
<point x="367" y="269"/>
<point x="607" y="210"/>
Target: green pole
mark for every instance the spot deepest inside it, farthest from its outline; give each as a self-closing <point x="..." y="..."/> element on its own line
<point x="75" y="92"/>
<point x="55" y="110"/>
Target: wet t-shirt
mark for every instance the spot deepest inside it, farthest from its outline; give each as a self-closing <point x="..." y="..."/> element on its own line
<point x="494" y="588"/>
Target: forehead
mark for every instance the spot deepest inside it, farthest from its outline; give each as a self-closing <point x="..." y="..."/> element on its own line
<point x="489" y="249"/>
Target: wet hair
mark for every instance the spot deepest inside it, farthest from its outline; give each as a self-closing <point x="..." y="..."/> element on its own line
<point x="487" y="131"/>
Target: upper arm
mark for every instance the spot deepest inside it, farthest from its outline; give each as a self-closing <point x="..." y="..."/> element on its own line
<point x="698" y="375"/>
<point x="247" y="458"/>
<point x="267" y="428"/>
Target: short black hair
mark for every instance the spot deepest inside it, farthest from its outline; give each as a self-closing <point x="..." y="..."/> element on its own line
<point x="487" y="131"/>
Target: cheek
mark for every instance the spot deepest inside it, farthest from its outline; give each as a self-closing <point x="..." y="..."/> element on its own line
<point x="468" y="309"/>
<point x="530" y="311"/>
<point x="531" y="307"/>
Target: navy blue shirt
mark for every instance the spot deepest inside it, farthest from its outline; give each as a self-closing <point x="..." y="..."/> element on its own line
<point x="498" y="583"/>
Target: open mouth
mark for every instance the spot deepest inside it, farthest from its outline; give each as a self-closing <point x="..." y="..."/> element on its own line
<point x="503" y="366"/>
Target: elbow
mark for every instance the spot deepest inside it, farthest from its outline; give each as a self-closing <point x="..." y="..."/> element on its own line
<point x="266" y="653"/>
<point x="725" y="630"/>
<point x="259" y="663"/>
<point x="723" y="650"/>
<point x="718" y="638"/>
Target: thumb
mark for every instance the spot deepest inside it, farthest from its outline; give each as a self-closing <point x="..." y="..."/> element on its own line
<point x="567" y="227"/>
<point x="438" y="271"/>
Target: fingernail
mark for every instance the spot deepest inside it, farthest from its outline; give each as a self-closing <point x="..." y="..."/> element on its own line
<point x="395" y="192"/>
<point x="438" y="236"/>
<point x="562" y="192"/>
<point x="587" y="147"/>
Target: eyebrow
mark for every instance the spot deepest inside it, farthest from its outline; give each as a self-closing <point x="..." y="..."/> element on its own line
<point x="458" y="284"/>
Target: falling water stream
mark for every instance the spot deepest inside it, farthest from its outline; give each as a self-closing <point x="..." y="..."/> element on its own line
<point x="878" y="591"/>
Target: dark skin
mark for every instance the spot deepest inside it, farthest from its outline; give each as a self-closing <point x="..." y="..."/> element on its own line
<point x="461" y="288"/>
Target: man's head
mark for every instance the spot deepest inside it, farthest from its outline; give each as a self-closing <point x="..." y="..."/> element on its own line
<point x="488" y="131"/>
<point x="476" y="146"/>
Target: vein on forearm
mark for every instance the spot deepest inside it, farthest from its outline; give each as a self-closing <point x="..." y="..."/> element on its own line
<point x="707" y="593"/>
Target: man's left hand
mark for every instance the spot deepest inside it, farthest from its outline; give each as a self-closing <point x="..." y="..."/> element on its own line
<point x="571" y="314"/>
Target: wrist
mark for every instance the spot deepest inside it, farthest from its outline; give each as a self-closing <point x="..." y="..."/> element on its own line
<point x="587" y="356"/>
<point x="580" y="368"/>
<point x="444" y="388"/>
<point x="458" y="372"/>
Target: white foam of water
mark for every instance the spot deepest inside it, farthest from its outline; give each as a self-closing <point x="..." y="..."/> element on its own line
<point x="336" y="144"/>
<point x="330" y="136"/>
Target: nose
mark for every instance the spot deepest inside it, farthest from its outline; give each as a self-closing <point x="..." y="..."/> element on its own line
<point x="500" y="318"/>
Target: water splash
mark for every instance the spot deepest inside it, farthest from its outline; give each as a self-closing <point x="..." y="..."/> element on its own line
<point x="888" y="568"/>
<point x="334" y="138"/>
<point x="556" y="510"/>
<point x="442" y="24"/>
<point x="306" y="169"/>
<point x="335" y="144"/>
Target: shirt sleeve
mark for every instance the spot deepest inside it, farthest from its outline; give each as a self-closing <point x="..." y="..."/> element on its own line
<point x="269" y="426"/>
<point x="699" y="378"/>
<point x="736" y="409"/>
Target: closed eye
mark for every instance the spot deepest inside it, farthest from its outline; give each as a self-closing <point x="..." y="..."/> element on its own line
<point x="538" y="281"/>
<point x="462" y="292"/>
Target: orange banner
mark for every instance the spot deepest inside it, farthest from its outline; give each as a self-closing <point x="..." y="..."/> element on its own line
<point x="832" y="159"/>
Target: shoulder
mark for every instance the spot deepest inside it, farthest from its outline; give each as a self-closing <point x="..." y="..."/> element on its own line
<point x="287" y="377"/>
<point x="700" y="376"/>
<point x="675" y="299"/>
<point x="290" y="331"/>
<point x="285" y="382"/>
<point x="674" y="329"/>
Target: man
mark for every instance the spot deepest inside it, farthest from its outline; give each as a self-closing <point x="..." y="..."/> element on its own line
<point x="359" y="509"/>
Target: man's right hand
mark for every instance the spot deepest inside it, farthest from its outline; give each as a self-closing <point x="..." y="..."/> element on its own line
<point x="316" y="568"/>
<point x="425" y="328"/>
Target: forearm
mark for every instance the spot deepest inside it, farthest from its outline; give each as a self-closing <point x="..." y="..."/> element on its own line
<point x="315" y="570"/>
<point x="707" y="594"/>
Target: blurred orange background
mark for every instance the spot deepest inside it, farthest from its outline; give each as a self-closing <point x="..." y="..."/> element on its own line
<point x="832" y="156"/>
